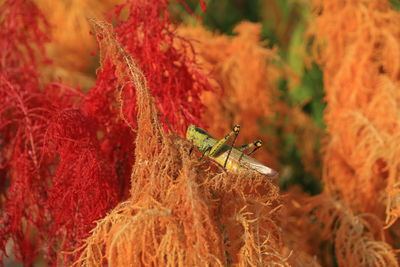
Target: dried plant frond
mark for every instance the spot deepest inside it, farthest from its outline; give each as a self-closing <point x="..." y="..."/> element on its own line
<point x="357" y="239"/>
<point x="301" y="259"/>
<point x="252" y="252"/>
<point x="249" y="207"/>
<point x="303" y="240"/>
<point x="180" y="214"/>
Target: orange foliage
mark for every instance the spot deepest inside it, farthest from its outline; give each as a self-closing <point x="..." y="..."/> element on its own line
<point x="245" y="74"/>
<point x="297" y="234"/>
<point x="358" y="47"/>
<point x="71" y="49"/>
<point x="324" y="226"/>
<point x="179" y="213"/>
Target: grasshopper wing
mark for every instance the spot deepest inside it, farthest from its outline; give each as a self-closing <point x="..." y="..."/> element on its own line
<point x="255" y="165"/>
<point x="238" y="160"/>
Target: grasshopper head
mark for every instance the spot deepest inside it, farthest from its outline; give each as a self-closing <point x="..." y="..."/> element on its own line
<point x="197" y="136"/>
<point x="190" y="133"/>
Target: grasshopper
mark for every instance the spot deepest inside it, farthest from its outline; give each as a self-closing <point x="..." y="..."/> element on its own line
<point x="231" y="158"/>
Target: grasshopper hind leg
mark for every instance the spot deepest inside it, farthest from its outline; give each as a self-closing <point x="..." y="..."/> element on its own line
<point x="220" y="144"/>
<point x="235" y="131"/>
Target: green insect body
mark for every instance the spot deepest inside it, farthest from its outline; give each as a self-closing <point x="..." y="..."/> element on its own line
<point x="233" y="159"/>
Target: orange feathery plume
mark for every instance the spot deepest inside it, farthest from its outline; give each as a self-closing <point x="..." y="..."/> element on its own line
<point x="358" y="45"/>
<point x="179" y="213"/>
<point x="71" y="49"/>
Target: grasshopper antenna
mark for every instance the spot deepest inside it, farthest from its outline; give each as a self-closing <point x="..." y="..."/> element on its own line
<point x="236" y="130"/>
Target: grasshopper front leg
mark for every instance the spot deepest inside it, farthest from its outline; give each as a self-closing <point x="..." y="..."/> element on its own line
<point x="220" y="144"/>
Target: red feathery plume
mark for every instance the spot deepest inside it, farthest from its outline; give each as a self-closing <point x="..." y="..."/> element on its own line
<point x="66" y="156"/>
<point x="173" y="76"/>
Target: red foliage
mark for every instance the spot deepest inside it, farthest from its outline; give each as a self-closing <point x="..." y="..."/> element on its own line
<point x="24" y="113"/>
<point x="67" y="156"/>
<point x="84" y="185"/>
<point x="173" y="76"/>
<point x="115" y="136"/>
